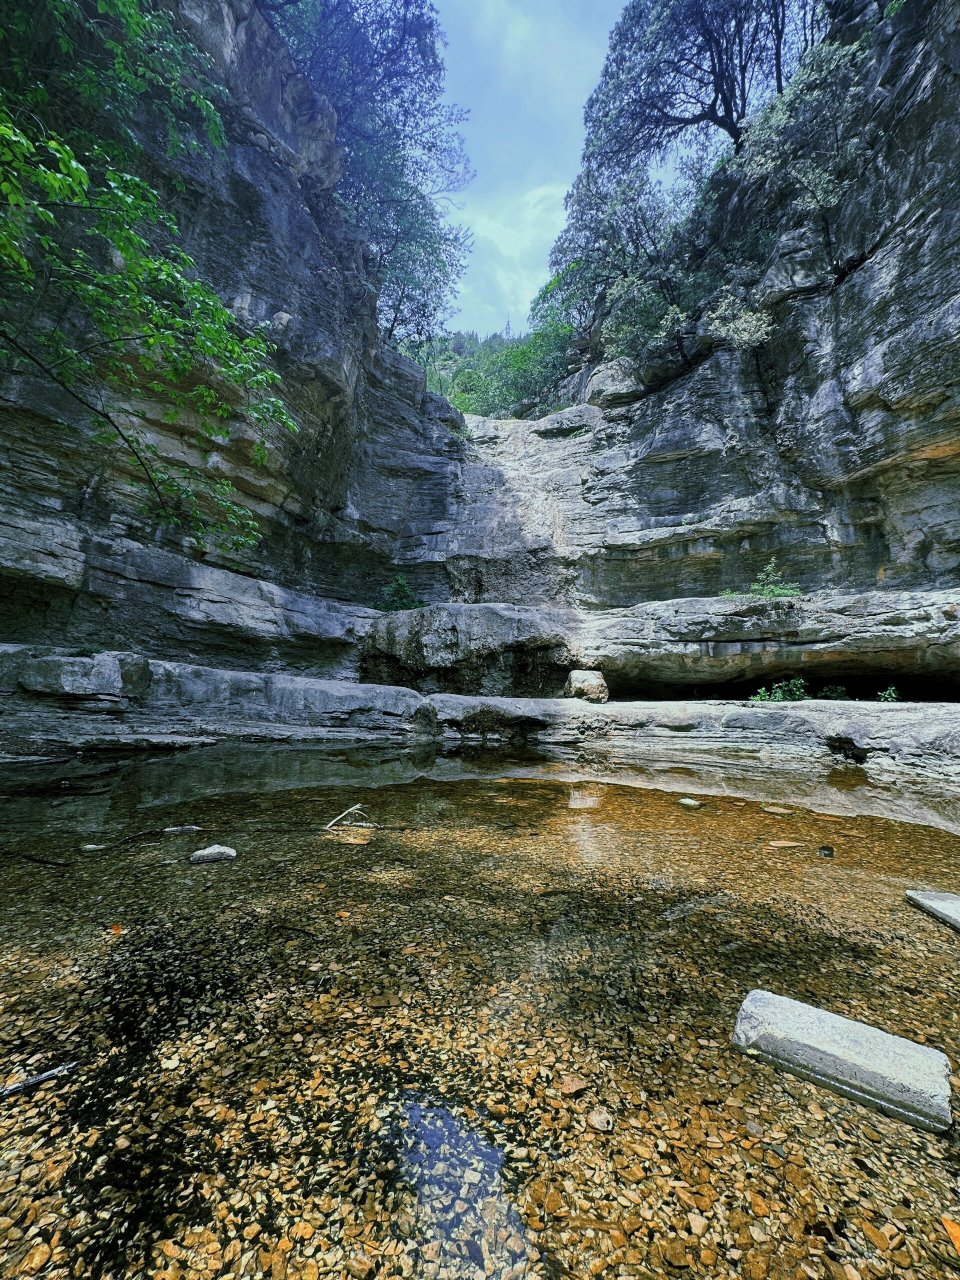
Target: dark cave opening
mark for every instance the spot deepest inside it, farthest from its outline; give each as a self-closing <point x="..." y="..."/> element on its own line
<point x="864" y="684"/>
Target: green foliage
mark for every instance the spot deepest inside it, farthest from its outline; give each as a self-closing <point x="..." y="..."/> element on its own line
<point x="380" y="65"/>
<point x="769" y="584"/>
<point x="888" y="695"/>
<point x="398" y="597"/>
<point x="893" y="8"/>
<point x="489" y="377"/>
<point x="733" y="321"/>
<point x="834" y="692"/>
<point x="124" y="316"/>
<point x="793" y="145"/>
<point x="794" y="690"/>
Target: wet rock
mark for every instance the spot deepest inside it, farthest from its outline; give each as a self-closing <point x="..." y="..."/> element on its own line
<point x="590" y="686"/>
<point x="601" y="1120"/>
<point x="214" y="853"/>
<point x="826" y="851"/>
<point x="572" y="1085"/>
<point x="894" y="1075"/>
<point x="943" y="906"/>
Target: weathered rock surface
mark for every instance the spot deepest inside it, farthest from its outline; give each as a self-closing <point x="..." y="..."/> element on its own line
<point x="903" y="1079"/>
<point x="497" y="649"/>
<point x="177" y="704"/>
<point x="596" y="538"/>
<point x="943" y="906"/>
<point x="590" y="686"/>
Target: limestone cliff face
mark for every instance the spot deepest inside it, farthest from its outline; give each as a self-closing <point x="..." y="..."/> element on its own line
<point x="839" y="451"/>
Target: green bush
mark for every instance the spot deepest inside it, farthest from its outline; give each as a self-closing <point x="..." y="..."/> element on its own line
<point x="769" y="584"/>
<point x="398" y="597"/>
<point x="888" y="695"/>
<point x="794" y="690"/>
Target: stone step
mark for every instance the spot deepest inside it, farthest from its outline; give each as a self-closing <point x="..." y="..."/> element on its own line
<point x="903" y="1079"/>
<point x="945" y="906"/>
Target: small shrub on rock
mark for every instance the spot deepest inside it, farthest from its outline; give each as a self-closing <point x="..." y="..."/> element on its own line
<point x="769" y="584"/>
<point x="794" y="690"/>
<point x="398" y="597"/>
<point x="834" y="692"/>
<point x="888" y="695"/>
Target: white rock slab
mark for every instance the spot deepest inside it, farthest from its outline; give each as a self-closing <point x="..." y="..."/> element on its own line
<point x="945" y="906"/>
<point x="903" y="1079"/>
<point x="214" y="853"/>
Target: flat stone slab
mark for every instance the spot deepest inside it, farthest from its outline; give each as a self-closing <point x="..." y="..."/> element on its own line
<point x="945" y="906"/>
<point x="214" y="853"/>
<point x="903" y="1079"/>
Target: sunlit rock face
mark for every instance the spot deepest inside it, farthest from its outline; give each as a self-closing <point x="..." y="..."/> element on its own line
<point x="603" y="534"/>
<point x="838" y="449"/>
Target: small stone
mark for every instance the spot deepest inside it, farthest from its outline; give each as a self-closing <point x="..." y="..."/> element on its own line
<point x="360" y="1268"/>
<point x="776" y="810"/>
<point x="37" y="1258"/>
<point x="213" y="853"/>
<point x="570" y="1086"/>
<point x="698" y="1224"/>
<point x="826" y="851"/>
<point x="600" y="1119"/>
<point x="176" y="831"/>
<point x="688" y="802"/>
<point x="675" y="1253"/>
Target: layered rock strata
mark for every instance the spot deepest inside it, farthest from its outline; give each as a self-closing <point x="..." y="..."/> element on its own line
<point x="599" y="537"/>
<point x="677" y="644"/>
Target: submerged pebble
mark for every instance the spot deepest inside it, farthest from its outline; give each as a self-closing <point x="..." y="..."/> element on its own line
<point x="468" y="1047"/>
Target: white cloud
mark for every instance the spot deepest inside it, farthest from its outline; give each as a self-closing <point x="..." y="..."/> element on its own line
<point x="524" y="68"/>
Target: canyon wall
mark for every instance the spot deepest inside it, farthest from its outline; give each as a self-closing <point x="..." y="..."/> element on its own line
<point x="606" y="530"/>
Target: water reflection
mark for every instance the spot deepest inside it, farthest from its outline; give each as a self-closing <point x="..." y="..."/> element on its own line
<point x="376" y="1052"/>
<point x="463" y="1213"/>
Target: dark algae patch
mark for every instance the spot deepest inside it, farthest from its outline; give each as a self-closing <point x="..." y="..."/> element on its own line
<point x="398" y="1050"/>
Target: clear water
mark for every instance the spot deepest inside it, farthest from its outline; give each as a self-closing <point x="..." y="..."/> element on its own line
<point x="398" y="1050"/>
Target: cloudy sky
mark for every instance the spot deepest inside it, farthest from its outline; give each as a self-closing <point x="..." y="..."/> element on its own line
<point x="524" y="69"/>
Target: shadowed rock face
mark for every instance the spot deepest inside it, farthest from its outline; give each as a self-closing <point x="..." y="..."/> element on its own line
<point x="596" y="538"/>
<point x="674" y="645"/>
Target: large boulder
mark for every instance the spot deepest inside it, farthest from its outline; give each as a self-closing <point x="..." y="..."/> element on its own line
<point x="589" y="686"/>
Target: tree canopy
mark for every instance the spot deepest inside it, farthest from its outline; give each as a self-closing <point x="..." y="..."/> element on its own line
<point x="679" y="67"/>
<point x="380" y="64"/>
<point x="683" y="80"/>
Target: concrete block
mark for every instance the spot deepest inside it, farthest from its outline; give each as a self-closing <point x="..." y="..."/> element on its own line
<point x="945" y="906"/>
<point x="903" y="1079"/>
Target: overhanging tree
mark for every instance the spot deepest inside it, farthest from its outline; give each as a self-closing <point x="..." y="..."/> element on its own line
<point x="380" y="64"/>
<point x="97" y="301"/>
<point x="676" y="67"/>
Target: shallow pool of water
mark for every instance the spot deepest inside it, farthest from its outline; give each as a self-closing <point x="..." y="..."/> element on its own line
<point x="486" y="1036"/>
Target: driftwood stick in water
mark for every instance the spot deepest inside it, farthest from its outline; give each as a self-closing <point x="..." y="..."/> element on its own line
<point x="9" y="1090"/>
<point x="357" y="808"/>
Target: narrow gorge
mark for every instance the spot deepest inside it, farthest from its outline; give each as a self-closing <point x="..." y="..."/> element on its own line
<point x="601" y="537"/>
<point x="519" y="844"/>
